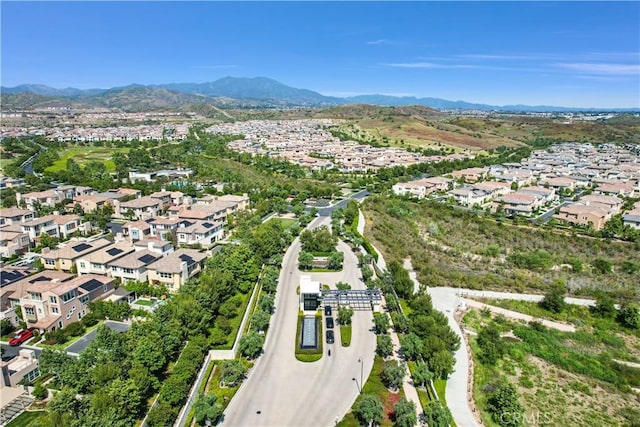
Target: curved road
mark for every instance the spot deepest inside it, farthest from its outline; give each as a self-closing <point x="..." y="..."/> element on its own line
<point x="282" y="391"/>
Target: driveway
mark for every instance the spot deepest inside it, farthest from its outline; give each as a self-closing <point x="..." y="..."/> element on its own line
<point x="79" y="346"/>
<point x="326" y="211"/>
<point x="282" y="391"/>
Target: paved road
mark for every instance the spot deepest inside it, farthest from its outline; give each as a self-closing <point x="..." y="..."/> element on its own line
<point x="282" y="391"/>
<point x="80" y="345"/>
<point x="360" y="195"/>
<point x="10" y="352"/>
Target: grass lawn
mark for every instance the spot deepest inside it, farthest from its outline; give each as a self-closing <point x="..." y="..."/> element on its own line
<point x="70" y="341"/>
<point x="87" y="154"/>
<point x="144" y="302"/>
<point x="25" y="419"/>
<point x="286" y="222"/>
<point x="345" y="335"/>
<point x="374" y="385"/>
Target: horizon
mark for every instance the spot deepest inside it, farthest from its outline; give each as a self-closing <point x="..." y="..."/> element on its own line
<point x="574" y="55"/>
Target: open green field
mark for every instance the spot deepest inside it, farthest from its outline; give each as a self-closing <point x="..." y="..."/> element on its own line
<point x="453" y="247"/>
<point x="85" y="155"/>
<point x="285" y="222"/>
<point x="26" y="418"/>
<point x="561" y="378"/>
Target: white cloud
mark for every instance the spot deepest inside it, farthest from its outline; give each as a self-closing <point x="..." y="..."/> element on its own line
<point x="602" y="68"/>
<point x="430" y="65"/>
<point x="379" y="41"/>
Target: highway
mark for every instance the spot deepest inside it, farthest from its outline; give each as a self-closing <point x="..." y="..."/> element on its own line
<point x="282" y="391"/>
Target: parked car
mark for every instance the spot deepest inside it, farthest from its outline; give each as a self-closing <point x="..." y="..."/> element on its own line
<point x="329" y="322"/>
<point x="327" y="310"/>
<point x="21" y="337"/>
<point x="330" y="337"/>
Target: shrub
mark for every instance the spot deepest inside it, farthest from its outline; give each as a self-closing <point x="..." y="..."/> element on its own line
<point x="74" y="329"/>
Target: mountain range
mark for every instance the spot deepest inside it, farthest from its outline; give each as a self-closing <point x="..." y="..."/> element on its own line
<point x="230" y="92"/>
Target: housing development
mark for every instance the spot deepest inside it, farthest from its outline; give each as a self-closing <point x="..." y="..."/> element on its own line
<point x="319" y="214"/>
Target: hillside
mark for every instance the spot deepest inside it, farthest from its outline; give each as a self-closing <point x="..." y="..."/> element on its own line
<point x="27" y="100"/>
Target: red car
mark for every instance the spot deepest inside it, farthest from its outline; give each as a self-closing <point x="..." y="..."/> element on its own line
<point x="21" y="337"/>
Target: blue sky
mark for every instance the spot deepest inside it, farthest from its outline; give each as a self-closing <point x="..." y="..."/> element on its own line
<point x="581" y="54"/>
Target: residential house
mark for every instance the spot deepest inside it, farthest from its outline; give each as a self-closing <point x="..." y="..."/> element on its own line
<point x="418" y="189"/>
<point x="20" y="367"/>
<point x="48" y="305"/>
<point x="632" y="218"/>
<point x="10" y="216"/>
<point x="141" y="208"/>
<point x="133" y="267"/>
<point x="97" y="262"/>
<point x="69" y="224"/>
<point x="577" y="213"/>
<point x="469" y="196"/>
<point x="495" y="188"/>
<point x="516" y="203"/>
<point x="70" y="192"/>
<point x="548" y="195"/>
<point x="622" y="189"/>
<point x="13" y="241"/>
<point x="10" y="294"/>
<point x="612" y="204"/>
<point x="135" y="175"/>
<point x="203" y="233"/>
<point x="45" y="225"/>
<point x="8" y="182"/>
<point x="470" y="174"/>
<point x="561" y="183"/>
<point x="164" y="197"/>
<point x="65" y="257"/>
<point x="161" y="247"/>
<point x="39" y="198"/>
<point x="175" y="269"/>
<point x="164" y="228"/>
<point x="90" y="203"/>
<point x="137" y="230"/>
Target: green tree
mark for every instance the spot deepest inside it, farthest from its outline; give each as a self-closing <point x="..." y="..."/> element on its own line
<point x="441" y="363"/>
<point x="492" y="346"/>
<point x="233" y="371"/>
<point x="368" y="409"/>
<point x="149" y="354"/>
<point x="602" y="265"/>
<point x="411" y="346"/>
<point x="421" y="375"/>
<point x="629" y="315"/>
<point x="305" y="260"/>
<point x="405" y="411"/>
<point x="393" y="374"/>
<point x="343" y="286"/>
<point x="206" y="408"/>
<point x="259" y="321"/>
<point x="335" y="260"/>
<point x="250" y="345"/>
<point x="384" y="346"/>
<point x="40" y="392"/>
<point x="504" y="406"/>
<point x="125" y="395"/>
<point x="381" y="323"/>
<point x="554" y="297"/>
<point x="344" y="315"/>
<point x="162" y="415"/>
<point x="437" y="415"/>
<point x="604" y="307"/>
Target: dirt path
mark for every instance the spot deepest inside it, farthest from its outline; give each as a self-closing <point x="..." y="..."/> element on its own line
<point x="519" y="316"/>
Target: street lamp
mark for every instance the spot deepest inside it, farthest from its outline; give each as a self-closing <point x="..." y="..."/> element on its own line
<point x="361" y="362"/>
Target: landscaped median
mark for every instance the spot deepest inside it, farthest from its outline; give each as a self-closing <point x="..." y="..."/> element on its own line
<point x="309" y="354"/>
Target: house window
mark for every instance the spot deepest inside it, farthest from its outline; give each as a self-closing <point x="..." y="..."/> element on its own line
<point x="165" y="275"/>
<point x="82" y="264"/>
<point x="105" y="288"/>
<point x="50" y="262"/>
<point x="127" y="270"/>
<point x="69" y="296"/>
<point x="84" y="299"/>
<point x="95" y="266"/>
<point x="36" y="296"/>
<point x="53" y="300"/>
<point x="30" y="311"/>
<point x="25" y="239"/>
<point x="59" y="323"/>
<point x="33" y="375"/>
<point x="54" y="310"/>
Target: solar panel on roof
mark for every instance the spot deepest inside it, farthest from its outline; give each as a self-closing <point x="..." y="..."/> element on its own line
<point x="91" y="285"/>
<point x="39" y="279"/>
<point x="10" y="276"/>
<point x="147" y="258"/>
<point x="186" y="258"/>
<point x="207" y="224"/>
<point x="114" y="251"/>
<point x="81" y="247"/>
